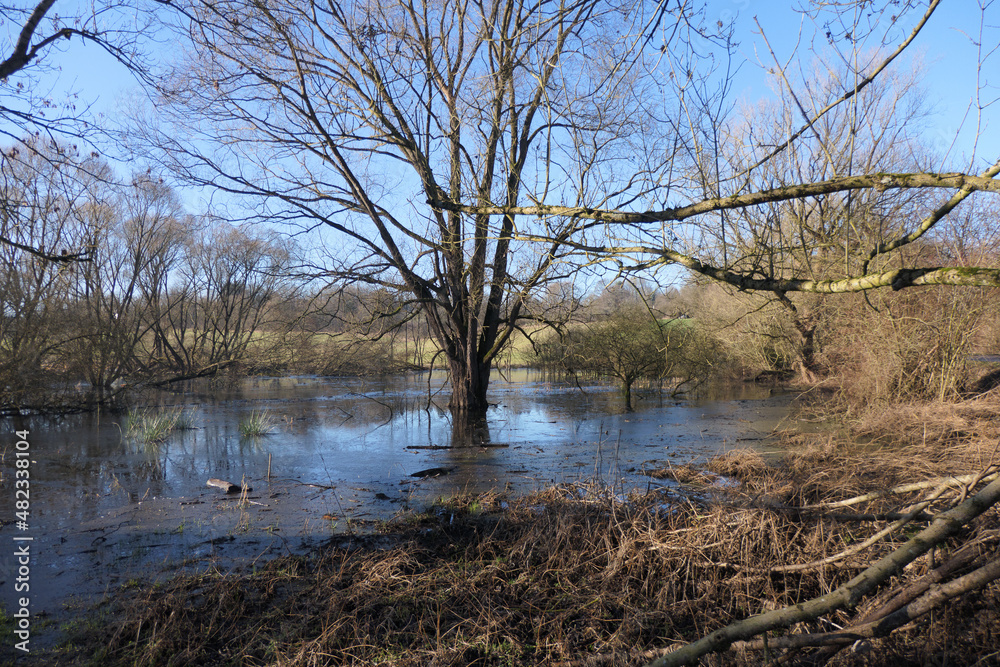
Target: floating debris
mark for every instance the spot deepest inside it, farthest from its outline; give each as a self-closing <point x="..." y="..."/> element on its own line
<point x="433" y="472"/>
<point x="228" y="487"/>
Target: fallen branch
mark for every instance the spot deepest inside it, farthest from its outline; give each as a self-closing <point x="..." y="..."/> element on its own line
<point x="932" y="599"/>
<point x="207" y="371"/>
<point x="967" y="554"/>
<point x="962" y="557"/>
<point x="945" y="525"/>
<point x="879" y="516"/>
<point x="836" y="641"/>
<point x="947" y="482"/>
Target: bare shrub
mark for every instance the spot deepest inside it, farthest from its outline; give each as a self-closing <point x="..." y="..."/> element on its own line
<point x="753" y="332"/>
<point x="900" y="347"/>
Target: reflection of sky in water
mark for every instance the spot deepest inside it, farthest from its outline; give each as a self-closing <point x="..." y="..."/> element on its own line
<point x="102" y="506"/>
<point x="373" y="432"/>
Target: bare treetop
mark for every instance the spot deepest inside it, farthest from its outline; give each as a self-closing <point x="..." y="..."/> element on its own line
<point x="469" y="152"/>
<point x="37" y="31"/>
<point x="362" y="117"/>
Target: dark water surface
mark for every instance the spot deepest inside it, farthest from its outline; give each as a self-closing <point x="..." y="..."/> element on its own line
<point x="341" y="454"/>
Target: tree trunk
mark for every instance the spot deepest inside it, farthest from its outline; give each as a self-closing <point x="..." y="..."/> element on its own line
<point x="627" y="394"/>
<point x="469" y="383"/>
<point x="805" y="324"/>
<point x="806" y="328"/>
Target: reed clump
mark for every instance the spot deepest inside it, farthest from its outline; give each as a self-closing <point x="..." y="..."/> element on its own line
<point x="154" y="426"/>
<point x="256" y="424"/>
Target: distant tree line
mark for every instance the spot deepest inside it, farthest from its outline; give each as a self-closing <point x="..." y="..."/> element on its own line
<point x="160" y="295"/>
<point x="155" y="294"/>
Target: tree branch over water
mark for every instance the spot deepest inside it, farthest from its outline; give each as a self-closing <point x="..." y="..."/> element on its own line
<point x="897" y="279"/>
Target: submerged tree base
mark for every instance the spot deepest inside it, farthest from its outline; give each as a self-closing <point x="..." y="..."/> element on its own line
<point x="574" y="576"/>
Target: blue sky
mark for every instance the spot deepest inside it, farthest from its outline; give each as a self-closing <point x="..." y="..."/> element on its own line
<point x="945" y="48"/>
<point x="948" y="54"/>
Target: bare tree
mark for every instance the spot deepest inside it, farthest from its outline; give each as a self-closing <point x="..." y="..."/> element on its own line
<point x="156" y="298"/>
<point x="238" y="275"/>
<point x="222" y="289"/>
<point x="118" y="297"/>
<point x="36" y="30"/>
<point x="430" y="139"/>
<point x="41" y="191"/>
<point x="880" y="130"/>
<point x="730" y="230"/>
<point x="360" y="118"/>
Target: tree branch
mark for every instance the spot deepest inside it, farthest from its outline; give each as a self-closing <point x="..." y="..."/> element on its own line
<point x="944" y="526"/>
<point x="23" y="54"/>
<point x="877" y="181"/>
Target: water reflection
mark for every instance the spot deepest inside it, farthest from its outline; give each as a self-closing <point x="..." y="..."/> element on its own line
<point x="474" y="433"/>
<point x="340" y="449"/>
<point x="377" y="431"/>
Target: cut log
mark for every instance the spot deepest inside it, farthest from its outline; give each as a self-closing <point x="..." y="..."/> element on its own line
<point x="228" y="487"/>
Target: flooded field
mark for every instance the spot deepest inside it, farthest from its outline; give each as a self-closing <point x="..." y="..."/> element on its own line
<point x="340" y="455"/>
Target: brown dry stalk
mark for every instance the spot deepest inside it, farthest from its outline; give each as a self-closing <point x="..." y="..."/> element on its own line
<point x="906" y="488"/>
<point x="913" y="512"/>
<point x="944" y="526"/>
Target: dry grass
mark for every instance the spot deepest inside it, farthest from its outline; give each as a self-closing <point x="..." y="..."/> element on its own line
<point x="550" y="578"/>
<point x="573" y="575"/>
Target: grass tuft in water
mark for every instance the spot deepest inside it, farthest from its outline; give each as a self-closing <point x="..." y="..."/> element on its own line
<point x="257" y="423"/>
<point x="185" y="421"/>
<point x="154" y="426"/>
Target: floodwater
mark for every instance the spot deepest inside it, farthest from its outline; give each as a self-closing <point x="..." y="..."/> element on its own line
<point x="341" y="455"/>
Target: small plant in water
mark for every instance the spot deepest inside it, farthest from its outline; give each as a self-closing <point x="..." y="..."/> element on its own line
<point x="153" y="426"/>
<point x="185" y="421"/>
<point x="257" y="423"/>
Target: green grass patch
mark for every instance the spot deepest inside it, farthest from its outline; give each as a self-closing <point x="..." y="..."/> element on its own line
<point x="152" y="427"/>
<point x="256" y="424"/>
